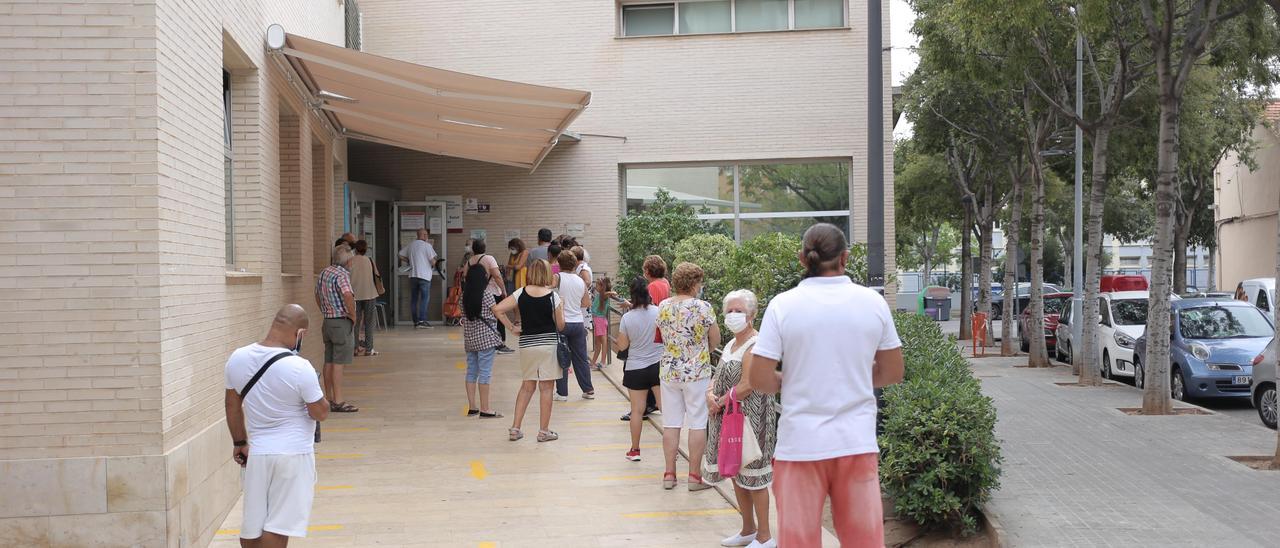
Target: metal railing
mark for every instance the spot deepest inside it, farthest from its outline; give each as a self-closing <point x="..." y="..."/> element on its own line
<point x="353" y="27"/>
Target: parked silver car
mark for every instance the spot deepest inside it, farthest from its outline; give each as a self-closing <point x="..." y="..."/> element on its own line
<point x="1263" y="389"/>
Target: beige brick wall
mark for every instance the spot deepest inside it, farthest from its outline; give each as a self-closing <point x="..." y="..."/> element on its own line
<point x="80" y="371"/>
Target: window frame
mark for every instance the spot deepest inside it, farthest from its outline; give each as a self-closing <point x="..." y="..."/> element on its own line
<point x="733" y="18"/>
<point x="737" y="216"/>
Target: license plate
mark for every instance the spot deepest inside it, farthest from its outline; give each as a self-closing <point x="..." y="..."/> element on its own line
<point x="1242" y="379"/>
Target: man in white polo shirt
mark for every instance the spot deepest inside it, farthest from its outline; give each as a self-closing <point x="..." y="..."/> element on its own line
<point x="837" y="343"/>
<point x="275" y="393"/>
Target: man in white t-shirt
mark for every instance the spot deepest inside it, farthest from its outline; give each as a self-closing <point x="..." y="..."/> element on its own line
<point x="421" y="256"/>
<point x="277" y="449"/>
<point x="837" y="343"/>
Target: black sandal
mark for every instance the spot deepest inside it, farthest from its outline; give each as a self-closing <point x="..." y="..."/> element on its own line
<point x="342" y="407"/>
<point x="473" y="412"/>
<point x="484" y="415"/>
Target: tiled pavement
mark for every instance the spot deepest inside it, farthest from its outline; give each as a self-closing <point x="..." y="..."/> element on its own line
<point x="1078" y="472"/>
<point x="410" y="470"/>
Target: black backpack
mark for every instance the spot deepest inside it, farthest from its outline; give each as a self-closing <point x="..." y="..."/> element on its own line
<point x="473" y="287"/>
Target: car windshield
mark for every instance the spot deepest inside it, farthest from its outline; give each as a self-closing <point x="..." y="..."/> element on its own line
<point x="1129" y="312"/>
<point x="1220" y="322"/>
<point x="1055" y="305"/>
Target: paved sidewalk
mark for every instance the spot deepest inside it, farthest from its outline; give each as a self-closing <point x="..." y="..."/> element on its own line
<point x="410" y="470"/>
<point x="1078" y="472"/>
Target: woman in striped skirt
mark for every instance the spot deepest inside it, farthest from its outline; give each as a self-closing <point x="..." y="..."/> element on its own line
<point x="541" y="319"/>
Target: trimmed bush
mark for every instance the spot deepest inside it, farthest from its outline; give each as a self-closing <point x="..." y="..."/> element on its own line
<point x="940" y="459"/>
<point x="655" y="230"/>
<point x="714" y="253"/>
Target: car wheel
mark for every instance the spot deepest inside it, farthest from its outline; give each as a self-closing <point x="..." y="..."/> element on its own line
<point x="1178" y="386"/>
<point x="1139" y="376"/>
<point x="1266" y="403"/>
<point x="1106" y="365"/>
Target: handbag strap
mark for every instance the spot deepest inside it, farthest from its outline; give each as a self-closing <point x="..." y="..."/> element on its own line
<point x="258" y="375"/>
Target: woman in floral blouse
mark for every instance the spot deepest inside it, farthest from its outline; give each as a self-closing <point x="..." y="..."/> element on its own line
<point x="689" y="332"/>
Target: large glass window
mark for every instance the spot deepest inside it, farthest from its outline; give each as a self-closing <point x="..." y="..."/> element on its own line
<point x="706" y="16"/>
<point x="648" y="19"/>
<point x="641" y="18"/>
<point x="755" y="15"/>
<point x="751" y="198"/>
<point x="817" y="14"/>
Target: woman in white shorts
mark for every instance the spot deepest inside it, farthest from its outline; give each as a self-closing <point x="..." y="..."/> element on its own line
<point x="689" y="332"/>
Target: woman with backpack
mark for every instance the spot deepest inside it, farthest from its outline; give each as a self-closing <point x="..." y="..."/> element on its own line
<point x="480" y="328"/>
<point x="494" y="286"/>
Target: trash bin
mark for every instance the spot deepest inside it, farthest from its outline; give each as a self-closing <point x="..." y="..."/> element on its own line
<point x="937" y="303"/>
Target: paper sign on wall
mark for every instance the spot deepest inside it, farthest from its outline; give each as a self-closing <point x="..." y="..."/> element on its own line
<point x="577" y="230"/>
<point x="511" y="235"/>
<point x="479" y="234"/>
<point x="435" y="225"/>
<point x="452" y="212"/>
<point x="412" y="220"/>
<point x="471" y="205"/>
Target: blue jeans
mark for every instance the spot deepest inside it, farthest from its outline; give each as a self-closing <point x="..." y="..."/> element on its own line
<point x="480" y="366"/>
<point x="576" y="336"/>
<point x="419" y="298"/>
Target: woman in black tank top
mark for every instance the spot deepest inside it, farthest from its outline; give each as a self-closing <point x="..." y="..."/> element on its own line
<point x="541" y="317"/>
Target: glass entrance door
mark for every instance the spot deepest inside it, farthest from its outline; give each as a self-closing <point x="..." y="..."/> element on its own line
<point x="408" y="217"/>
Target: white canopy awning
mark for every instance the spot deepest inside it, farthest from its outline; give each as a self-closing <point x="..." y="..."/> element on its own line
<point x="372" y="98"/>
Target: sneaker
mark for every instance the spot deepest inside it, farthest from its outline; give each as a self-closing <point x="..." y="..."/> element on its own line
<point x="739" y="540"/>
<point x="419" y="325"/>
<point x="504" y="349"/>
<point x="558" y="397"/>
<point x="771" y="543"/>
<point x="633" y="455"/>
<point x="588" y="395"/>
<point x="427" y="325"/>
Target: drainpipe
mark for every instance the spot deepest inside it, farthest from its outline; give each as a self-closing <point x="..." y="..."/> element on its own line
<point x="875" y="145"/>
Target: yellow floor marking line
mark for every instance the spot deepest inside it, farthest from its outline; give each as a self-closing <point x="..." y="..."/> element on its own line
<point x="631" y="478"/>
<point x="620" y="446"/>
<point x="333" y="487"/>
<point x="339" y="456"/>
<point x="680" y="513"/>
<point x="313" y="528"/>
<point x="478" y="471"/>
<point x="349" y="429"/>
<point x="460" y="365"/>
<point x="488" y="545"/>
<point x="454" y="336"/>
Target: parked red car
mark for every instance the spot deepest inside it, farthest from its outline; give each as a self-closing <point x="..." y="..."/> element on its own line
<point x="1054" y="303"/>
<point x="1122" y="282"/>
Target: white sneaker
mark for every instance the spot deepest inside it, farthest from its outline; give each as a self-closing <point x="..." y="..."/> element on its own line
<point x="739" y="540"/>
<point x="558" y="397"/>
<point x="771" y="543"/>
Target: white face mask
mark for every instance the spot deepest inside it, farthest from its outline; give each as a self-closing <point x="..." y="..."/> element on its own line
<point x="512" y="250"/>
<point x="735" y="321"/>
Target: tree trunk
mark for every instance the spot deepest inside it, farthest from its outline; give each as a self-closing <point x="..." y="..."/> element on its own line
<point x="986" y="258"/>
<point x="930" y="247"/>
<point x="1085" y="355"/>
<point x="1039" y="353"/>
<point x="1008" y="314"/>
<point x="966" y="276"/>
<point x="1155" y="398"/>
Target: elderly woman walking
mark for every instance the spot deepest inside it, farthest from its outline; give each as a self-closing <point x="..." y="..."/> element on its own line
<point x="751" y="484"/>
<point x="689" y="332"/>
<point x="541" y="319"/>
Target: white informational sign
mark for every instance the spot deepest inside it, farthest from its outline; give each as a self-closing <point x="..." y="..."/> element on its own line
<point x="479" y="234"/>
<point x="577" y="230"/>
<point x="435" y="226"/>
<point x="412" y="220"/>
<point x="472" y="205"/>
<point x="452" y="212"/>
<point x="511" y="234"/>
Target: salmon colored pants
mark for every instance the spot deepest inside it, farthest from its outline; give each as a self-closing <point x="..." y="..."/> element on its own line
<point x="852" y="482"/>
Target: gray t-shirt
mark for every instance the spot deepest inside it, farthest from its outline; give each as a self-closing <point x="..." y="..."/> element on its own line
<point x="640" y="324"/>
<point x="538" y="252"/>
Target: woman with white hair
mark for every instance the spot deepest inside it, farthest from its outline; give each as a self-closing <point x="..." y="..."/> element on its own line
<point x="751" y="485"/>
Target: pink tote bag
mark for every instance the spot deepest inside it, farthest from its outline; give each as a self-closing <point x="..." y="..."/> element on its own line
<point x="729" y="457"/>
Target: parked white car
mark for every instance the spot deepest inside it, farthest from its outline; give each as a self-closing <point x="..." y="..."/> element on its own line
<point x="1261" y="292"/>
<point x="1123" y="320"/>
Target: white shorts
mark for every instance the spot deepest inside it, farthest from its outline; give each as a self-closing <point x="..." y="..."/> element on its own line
<point x="685" y="400"/>
<point x="278" y="490"/>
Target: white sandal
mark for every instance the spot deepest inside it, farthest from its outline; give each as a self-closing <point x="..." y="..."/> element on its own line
<point x="515" y="434"/>
<point x="547" y="435"/>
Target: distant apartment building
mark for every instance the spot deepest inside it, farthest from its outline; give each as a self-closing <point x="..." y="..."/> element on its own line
<point x="1245" y="203"/>
<point x="171" y="175"/>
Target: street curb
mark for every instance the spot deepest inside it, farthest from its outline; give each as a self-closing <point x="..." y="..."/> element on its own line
<point x="995" y="530"/>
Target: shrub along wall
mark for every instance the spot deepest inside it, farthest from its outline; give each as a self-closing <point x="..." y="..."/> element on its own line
<point x="939" y="459"/>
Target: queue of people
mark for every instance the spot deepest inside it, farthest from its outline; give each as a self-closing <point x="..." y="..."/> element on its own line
<point x="836" y="338"/>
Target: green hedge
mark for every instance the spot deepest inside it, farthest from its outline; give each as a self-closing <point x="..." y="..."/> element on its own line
<point x="940" y="459"/>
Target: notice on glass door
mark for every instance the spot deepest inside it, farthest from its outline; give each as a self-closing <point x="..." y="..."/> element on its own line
<point x="412" y="220"/>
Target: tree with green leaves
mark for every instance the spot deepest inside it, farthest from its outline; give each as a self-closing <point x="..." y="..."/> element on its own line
<point x="655" y="230"/>
<point x="924" y="212"/>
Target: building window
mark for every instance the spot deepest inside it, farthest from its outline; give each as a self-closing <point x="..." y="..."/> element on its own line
<point x="1130" y="261"/>
<point x="750" y="198"/>
<point x="721" y="16"/>
<point x="228" y="194"/>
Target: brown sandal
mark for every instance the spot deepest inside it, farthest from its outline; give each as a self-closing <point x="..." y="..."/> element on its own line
<point x="342" y="407"/>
